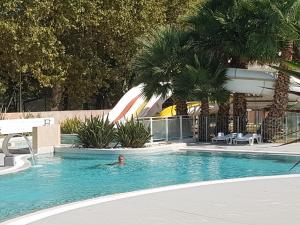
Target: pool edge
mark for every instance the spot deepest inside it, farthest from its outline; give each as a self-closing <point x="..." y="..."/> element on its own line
<point x="42" y="214"/>
<point x="22" y="163"/>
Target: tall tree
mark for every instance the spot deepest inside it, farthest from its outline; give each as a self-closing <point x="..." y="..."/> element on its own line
<point x="242" y="32"/>
<point x="217" y="26"/>
<point x="79" y="48"/>
<point x="209" y="77"/>
<point x="288" y="13"/>
<point x="160" y="66"/>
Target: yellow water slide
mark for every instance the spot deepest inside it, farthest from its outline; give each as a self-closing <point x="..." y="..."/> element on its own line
<point x="171" y="110"/>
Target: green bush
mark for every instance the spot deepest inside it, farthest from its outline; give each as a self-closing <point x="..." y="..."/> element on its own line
<point x="133" y="134"/>
<point x="96" y="132"/>
<point x="71" y="126"/>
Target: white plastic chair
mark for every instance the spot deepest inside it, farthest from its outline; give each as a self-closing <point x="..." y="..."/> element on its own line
<point x="220" y="137"/>
<point x="244" y="138"/>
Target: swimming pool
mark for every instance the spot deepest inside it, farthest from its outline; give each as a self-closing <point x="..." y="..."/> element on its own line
<point x="65" y="178"/>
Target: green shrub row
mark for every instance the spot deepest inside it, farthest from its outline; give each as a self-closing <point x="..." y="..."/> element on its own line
<point x="70" y="126"/>
<point x="98" y="132"/>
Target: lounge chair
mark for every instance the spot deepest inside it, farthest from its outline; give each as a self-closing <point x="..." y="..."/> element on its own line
<point x="247" y="138"/>
<point x="230" y="138"/>
<point x="221" y="137"/>
<point x="243" y="138"/>
<point x="257" y="137"/>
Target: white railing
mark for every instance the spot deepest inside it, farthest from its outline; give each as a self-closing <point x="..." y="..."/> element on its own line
<point x="169" y="128"/>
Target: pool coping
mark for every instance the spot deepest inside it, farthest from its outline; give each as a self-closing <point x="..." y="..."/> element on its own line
<point x="22" y="163"/>
<point x="237" y="151"/>
<point x="42" y="214"/>
<point x="161" y="148"/>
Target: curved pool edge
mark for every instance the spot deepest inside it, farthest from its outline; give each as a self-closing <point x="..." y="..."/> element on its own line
<point x="42" y="214"/>
<point x="22" y="163"/>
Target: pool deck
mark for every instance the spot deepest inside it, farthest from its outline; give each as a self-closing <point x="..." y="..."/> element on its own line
<point x="245" y="202"/>
<point x="265" y="148"/>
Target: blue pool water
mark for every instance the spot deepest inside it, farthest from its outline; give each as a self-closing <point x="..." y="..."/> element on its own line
<point x="65" y="178"/>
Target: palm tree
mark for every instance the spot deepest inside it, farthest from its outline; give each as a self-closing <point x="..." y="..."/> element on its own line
<point x="242" y="32"/>
<point x="160" y="63"/>
<point x="209" y="77"/>
<point x="289" y="14"/>
<point x="218" y="27"/>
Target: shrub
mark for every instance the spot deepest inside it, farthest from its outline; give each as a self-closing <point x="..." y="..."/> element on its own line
<point x="71" y="126"/>
<point x="133" y="134"/>
<point x="96" y="132"/>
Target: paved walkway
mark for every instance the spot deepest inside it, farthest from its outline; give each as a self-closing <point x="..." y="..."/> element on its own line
<point x="259" y="202"/>
<point x="256" y="148"/>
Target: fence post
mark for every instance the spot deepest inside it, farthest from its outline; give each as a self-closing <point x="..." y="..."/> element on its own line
<point x="194" y="126"/>
<point x="180" y="127"/>
<point x="206" y="131"/>
<point x="238" y="124"/>
<point x="261" y="128"/>
<point x="286" y="130"/>
<point x="167" y="129"/>
<point x="151" y="129"/>
<point x="297" y="121"/>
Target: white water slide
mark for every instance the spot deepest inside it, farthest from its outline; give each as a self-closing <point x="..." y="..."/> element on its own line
<point x="258" y="83"/>
<point x="134" y="103"/>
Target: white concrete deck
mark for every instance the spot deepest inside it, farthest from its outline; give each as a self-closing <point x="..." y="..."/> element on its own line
<point x="264" y="148"/>
<point x="250" y="202"/>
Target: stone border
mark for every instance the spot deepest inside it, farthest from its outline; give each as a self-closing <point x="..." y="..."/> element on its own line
<point x="156" y="149"/>
<point x="237" y="151"/>
<point x="22" y="163"/>
<point x="42" y="214"/>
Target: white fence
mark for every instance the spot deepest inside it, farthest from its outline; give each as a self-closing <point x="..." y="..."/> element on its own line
<point x="169" y="128"/>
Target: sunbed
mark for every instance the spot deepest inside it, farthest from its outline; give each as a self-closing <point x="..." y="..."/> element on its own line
<point x="222" y="137"/>
<point x="247" y="138"/>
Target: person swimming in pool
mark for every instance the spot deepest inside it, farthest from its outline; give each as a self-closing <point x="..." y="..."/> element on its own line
<point x="121" y="161"/>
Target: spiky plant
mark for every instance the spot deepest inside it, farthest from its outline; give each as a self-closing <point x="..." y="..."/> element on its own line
<point x="96" y="132"/>
<point x="133" y="133"/>
<point x="70" y="126"/>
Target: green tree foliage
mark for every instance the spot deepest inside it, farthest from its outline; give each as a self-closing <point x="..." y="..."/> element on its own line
<point x="168" y="63"/>
<point x="160" y="66"/>
<point x="79" y="48"/>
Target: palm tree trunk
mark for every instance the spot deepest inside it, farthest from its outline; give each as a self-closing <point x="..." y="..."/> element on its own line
<point x="203" y="120"/>
<point x="273" y="122"/>
<point x="204" y="107"/>
<point x="181" y="107"/>
<point x="223" y="118"/>
<point x="240" y="115"/>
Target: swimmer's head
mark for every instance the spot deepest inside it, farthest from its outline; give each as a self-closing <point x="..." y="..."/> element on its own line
<point x="121" y="159"/>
